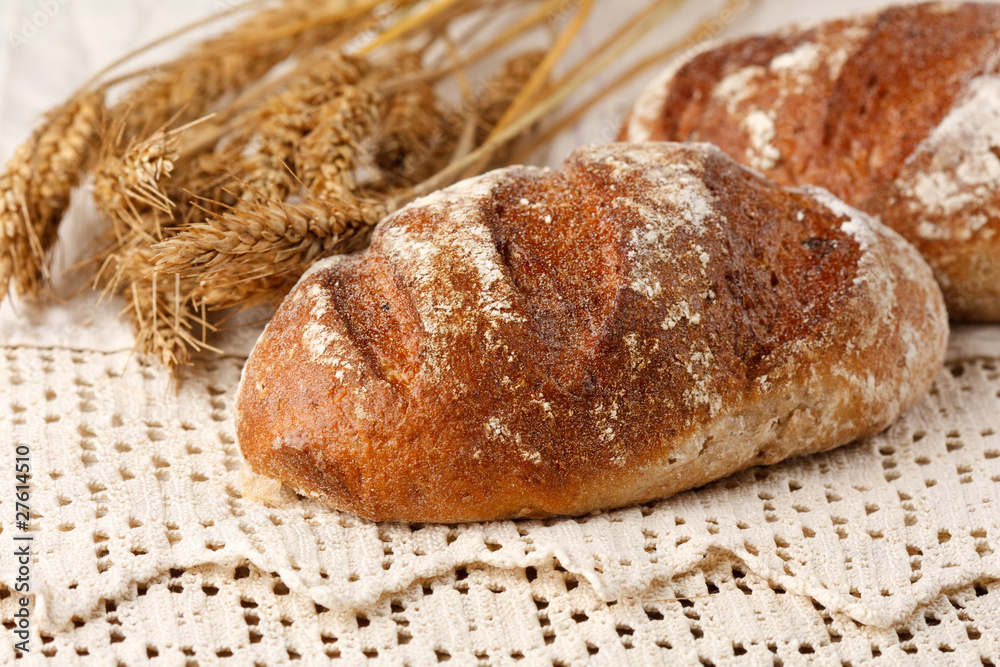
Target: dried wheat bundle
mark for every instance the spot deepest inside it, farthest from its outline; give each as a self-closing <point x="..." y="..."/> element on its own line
<point x="226" y="172"/>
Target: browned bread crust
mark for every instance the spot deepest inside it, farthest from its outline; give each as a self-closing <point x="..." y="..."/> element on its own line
<point x="896" y="113"/>
<point x="640" y="322"/>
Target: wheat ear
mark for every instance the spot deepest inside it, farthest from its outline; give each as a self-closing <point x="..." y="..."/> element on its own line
<point x="127" y="188"/>
<point x="270" y="240"/>
<point x="35" y="190"/>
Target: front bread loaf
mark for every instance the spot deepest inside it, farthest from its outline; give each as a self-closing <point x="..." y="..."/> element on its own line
<point x="531" y="342"/>
<point x="896" y="113"/>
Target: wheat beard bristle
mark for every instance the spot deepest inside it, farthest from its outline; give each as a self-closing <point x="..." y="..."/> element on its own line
<point x="36" y="188"/>
<point x="169" y="324"/>
<point x="127" y="188"/>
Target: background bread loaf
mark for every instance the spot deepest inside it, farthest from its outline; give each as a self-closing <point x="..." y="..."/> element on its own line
<point x="897" y="113"/>
<point x="530" y="343"/>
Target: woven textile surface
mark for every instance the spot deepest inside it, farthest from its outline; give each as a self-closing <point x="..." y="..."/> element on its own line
<point x="145" y="549"/>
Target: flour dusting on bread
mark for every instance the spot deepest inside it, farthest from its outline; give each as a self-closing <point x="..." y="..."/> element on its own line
<point x="957" y="167"/>
<point x="530" y="343"/>
<point x="323" y="336"/>
<point x="681" y="202"/>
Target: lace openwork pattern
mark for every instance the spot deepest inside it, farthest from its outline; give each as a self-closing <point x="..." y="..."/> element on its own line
<point x="145" y="548"/>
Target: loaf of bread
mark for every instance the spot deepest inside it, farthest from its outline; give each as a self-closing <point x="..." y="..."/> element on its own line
<point x="897" y="113"/>
<point x="530" y="342"/>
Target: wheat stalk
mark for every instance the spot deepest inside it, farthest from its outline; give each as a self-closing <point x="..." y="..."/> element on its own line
<point x="35" y="190"/>
<point x="268" y="241"/>
<point x="129" y="187"/>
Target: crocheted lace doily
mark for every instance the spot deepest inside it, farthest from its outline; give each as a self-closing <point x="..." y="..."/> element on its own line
<point x="143" y="544"/>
